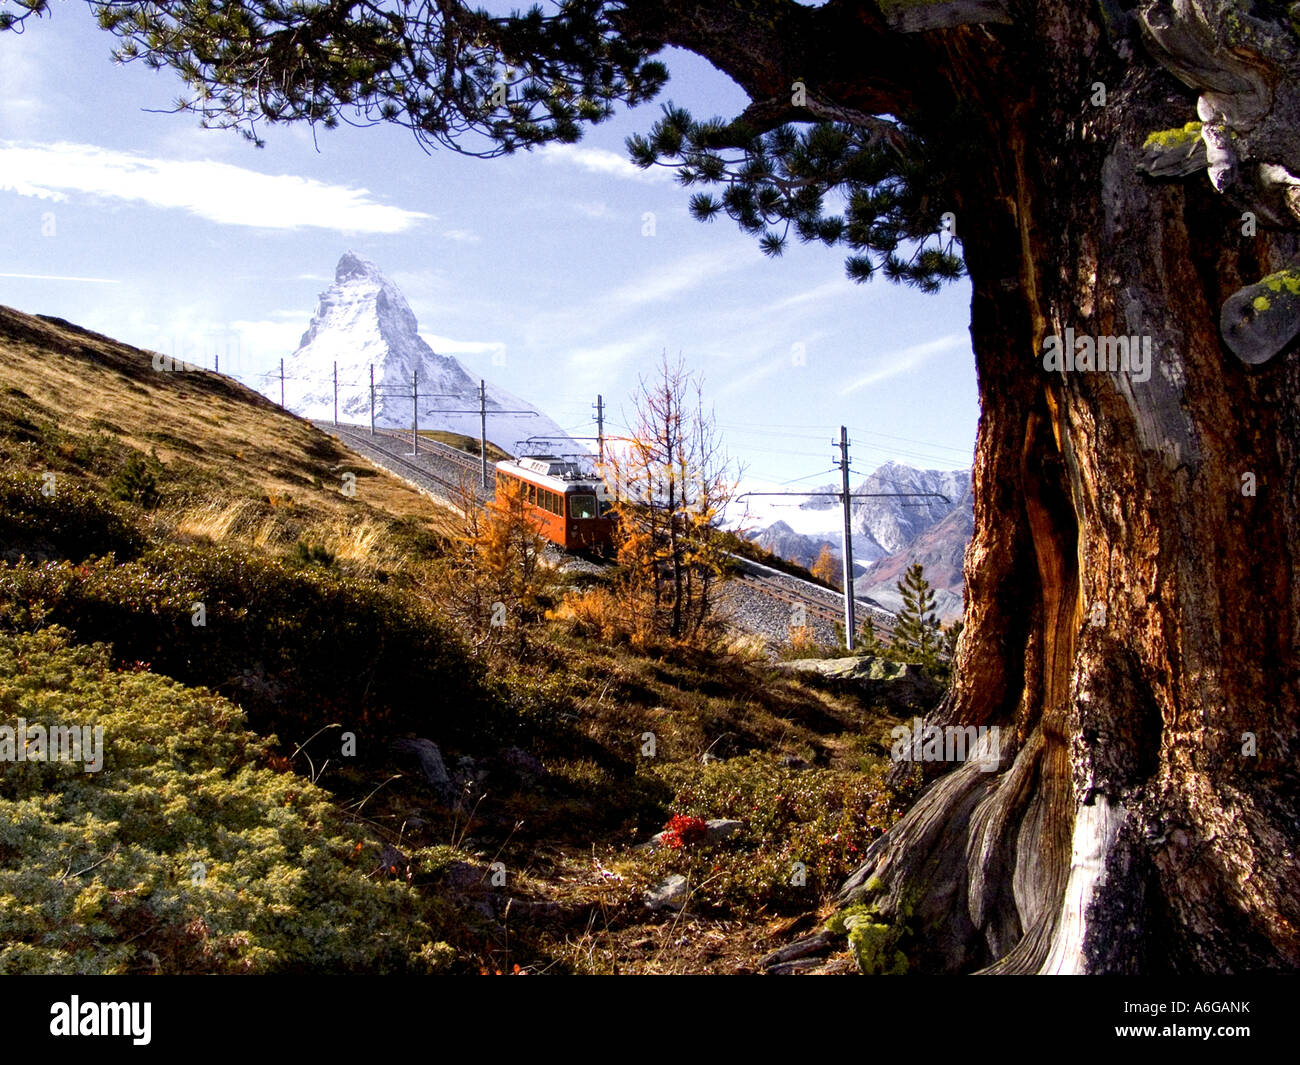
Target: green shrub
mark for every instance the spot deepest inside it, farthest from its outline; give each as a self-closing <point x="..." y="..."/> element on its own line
<point x="184" y="853"/>
<point x="820" y="818"/>
<point x="309" y="554"/>
<point x="73" y="522"/>
<point x="137" y="482"/>
<point x="297" y="647"/>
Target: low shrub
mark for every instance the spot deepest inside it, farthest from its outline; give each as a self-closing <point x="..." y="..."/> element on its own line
<point x="298" y="647"/>
<point x="184" y="853"/>
<point x="61" y="518"/>
<point x="137" y="481"/>
<point x="804" y="831"/>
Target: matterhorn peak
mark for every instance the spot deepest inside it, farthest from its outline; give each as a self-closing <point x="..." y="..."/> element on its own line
<point x="353" y="266"/>
<point x="362" y="326"/>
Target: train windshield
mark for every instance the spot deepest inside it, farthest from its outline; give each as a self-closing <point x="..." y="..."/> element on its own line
<point x="582" y="505"/>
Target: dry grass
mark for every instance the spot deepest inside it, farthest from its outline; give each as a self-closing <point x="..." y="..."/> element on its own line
<point x="233" y="448"/>
<point x="363" y="545"/>
<point x="217" y="521"/>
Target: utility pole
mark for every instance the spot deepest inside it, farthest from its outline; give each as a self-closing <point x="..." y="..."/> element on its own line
<point x="415" y="411"/>
<point x="483" y="413"/>
<point x="849" y="625"/>
<point x="372" y="399"/>
<point x="216" y="362"/>
<point x="600" y="428"/>
<point x="282" y="382"/>
<point x="336" y="393"/>
<point x="482" y="422"/>
<point x="845" y="496"/>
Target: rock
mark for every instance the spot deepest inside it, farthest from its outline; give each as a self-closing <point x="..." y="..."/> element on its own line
<point x="522" y="764"/>
<point x="720" y="828"/>
<point x="465" y="876"/>
<point x="670" y="894"/>
<point x="903" y="687"/>
<point x="790" y="761"/>
<point x="429" y="757"/>
<point x="471" y="885"/>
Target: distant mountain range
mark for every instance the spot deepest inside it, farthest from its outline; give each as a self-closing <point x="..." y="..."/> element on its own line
<point x="889" y="533"/>
<point x="364" y="321"/>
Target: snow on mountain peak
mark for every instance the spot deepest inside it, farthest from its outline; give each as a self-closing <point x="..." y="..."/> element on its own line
<point x="363" y="322"/>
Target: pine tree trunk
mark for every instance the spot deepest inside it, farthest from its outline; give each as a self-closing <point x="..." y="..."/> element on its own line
<point x="1132" y="612"/>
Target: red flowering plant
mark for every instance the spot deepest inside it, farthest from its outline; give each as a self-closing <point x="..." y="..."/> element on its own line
<point x="682" y="830"/>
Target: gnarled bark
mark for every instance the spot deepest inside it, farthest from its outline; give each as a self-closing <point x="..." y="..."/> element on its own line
<point x="1152" y="639"/>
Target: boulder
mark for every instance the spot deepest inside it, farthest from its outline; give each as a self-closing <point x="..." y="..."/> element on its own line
<point x="393" y="862"/>
<point x="669" y="894"/>
<point x="426" y="753"/>
<point x="719" y="828"/>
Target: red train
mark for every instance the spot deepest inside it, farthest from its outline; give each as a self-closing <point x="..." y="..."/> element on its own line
<point x="569" y="508"/>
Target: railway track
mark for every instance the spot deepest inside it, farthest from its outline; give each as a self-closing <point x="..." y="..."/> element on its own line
<point x="464" y="460"/>
<point x="441" y="469"/>
<point x="820" y="603"/>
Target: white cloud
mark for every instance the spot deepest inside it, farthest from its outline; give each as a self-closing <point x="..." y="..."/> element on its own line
<point x="838" y="288"/>
<point x="682" y="275"/>
<point x="607" y="356"/>
<point x="900" y="362"/>
<point x="62" y="277"/>
<point x="463" y="236"/>
<point x="758" y="373"/>
<point x="218" y="192"/>
<point x="602" y="161"/>
<point x="450" y="346"/>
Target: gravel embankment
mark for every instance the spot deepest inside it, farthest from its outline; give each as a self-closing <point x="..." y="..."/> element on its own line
<point x="429" y="471"/>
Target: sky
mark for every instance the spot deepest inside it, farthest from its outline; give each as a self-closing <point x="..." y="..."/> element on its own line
<point x="558" y="274"/>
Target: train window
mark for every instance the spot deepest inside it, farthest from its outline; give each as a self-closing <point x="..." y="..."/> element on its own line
<point x="552" y="503"/>
<point x="582" y="505"/>
<point x="532" y="494"/>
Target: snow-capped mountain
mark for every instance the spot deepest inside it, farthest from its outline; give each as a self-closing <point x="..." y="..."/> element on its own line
<point x="363" y="320"/>
<point x="782" y="540"/>
<point x="940" y="549"/>
<point x="889" y="533"/>
<point x="885" y="525"/>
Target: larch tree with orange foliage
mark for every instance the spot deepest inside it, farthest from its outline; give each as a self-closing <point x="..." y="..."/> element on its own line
<point x="496" y="579"/>
<point x="672" y="481"/>
<point x="827" y="567"/>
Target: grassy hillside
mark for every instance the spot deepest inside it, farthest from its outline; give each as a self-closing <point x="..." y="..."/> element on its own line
<point x="182" y="563"/>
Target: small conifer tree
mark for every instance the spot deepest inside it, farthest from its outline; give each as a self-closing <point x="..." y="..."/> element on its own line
<point x="917" y="634"/>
